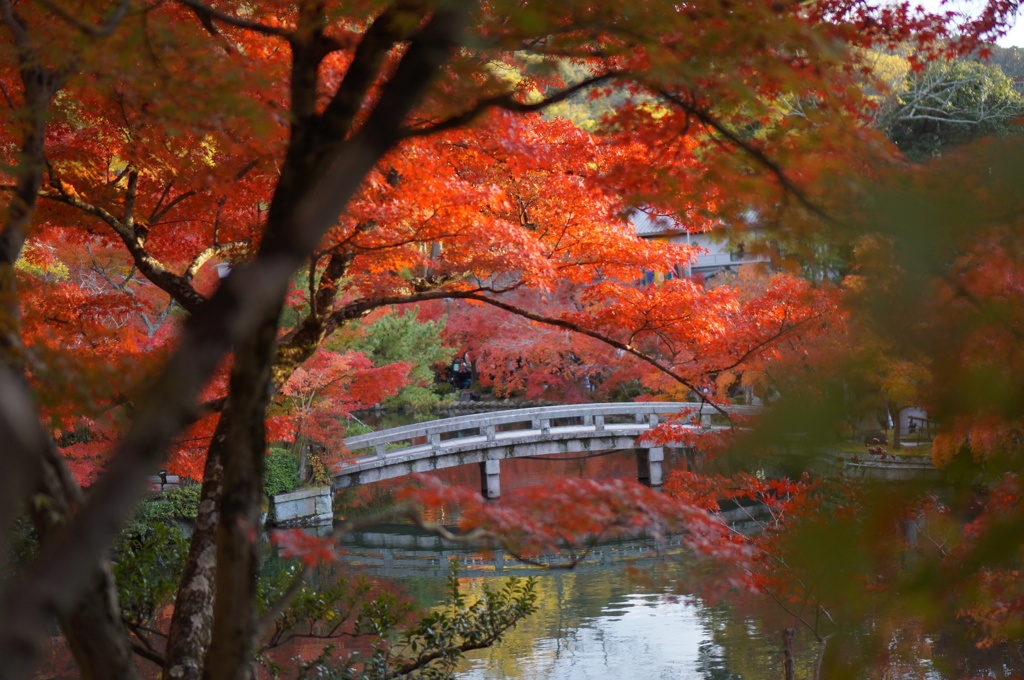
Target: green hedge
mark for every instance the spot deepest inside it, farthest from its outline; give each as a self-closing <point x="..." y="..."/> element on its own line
<point x="282" y="474"/>
<point x="184" y="500"/>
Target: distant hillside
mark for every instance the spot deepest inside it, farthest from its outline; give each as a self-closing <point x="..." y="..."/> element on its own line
<point x="1011" y="60"/>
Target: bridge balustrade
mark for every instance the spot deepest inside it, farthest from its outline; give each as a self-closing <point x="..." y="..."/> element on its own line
<point x="487" y="438"/>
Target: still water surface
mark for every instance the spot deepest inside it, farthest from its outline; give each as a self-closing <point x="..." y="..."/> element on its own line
<point x="596" y="628"/>
<point x="602" y="624"/>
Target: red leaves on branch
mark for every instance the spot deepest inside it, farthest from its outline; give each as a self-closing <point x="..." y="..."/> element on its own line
<point x="573" y="515"/>
<point x="298" y="544"/>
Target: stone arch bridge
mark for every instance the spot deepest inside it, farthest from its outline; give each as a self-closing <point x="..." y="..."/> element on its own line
<point x="486" y="439"/>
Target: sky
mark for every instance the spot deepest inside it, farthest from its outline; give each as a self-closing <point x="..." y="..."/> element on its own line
<point x="1015" y="38"/>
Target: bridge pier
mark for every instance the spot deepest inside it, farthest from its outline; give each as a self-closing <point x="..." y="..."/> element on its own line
<point x="649" y="469"/>
<point x="490" y="479"/>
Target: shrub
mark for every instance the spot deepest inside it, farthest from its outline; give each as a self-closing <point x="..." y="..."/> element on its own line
<point x="282" y="474"/>
<point x="183" y="501"/>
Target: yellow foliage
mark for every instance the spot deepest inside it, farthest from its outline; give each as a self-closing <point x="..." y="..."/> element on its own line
<point x="33" y="264"/>
<point x="986" y="440"/>
<point x="945" y="446"/>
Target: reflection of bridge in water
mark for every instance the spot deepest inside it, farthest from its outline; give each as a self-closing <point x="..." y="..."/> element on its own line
<point x="485" y="439"/>
<point x="404" y="552"/>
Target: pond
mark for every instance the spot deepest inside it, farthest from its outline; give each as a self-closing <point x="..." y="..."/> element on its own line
<point x="627" y="613"/>
<point x="643" y="621"/>
<point x="599" y="625"/>
<point x="613" y="621"/>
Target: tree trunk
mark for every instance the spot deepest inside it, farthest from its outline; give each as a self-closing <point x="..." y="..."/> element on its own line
<point x="897" y="430"/>
<point x="192" y="621"/>
<point x="787" y="652"/>
<point x="822" y="647"/>
<point x="234" y="610"/>
<point x="95" y="634"/>
<point x="870" y="428"/>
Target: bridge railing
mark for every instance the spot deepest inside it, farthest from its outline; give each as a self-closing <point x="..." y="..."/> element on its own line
<point x="539" y="418"/>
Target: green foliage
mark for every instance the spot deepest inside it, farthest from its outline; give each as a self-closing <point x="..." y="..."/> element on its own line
<point x="1011" y="61"/>
<point x="581" y="108"/>
<point x="24" y="542"/>
<point x="183" y="501"/>
<point x="355" y="427"/>
<point x="403" y="641"/>
<point x="282" y="472"/>
<point x="946" y="105"/>
<point x="149" y="553"/>
<point x="403" y="337"/>
<point x="148" y="566"/>
<point x="52" y="271"/>
<point x="149" y="514"/>
<point x="464" y="624"/>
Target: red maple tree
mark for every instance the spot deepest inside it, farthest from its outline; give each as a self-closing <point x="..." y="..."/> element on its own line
<point x="394" y="154"/>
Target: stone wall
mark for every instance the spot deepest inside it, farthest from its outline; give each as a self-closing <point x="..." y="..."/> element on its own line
<point x="305" y="507"/>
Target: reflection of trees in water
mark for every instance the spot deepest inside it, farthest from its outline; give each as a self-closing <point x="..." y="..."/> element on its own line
<point x="743" y="642"/>
<point x="566" y="602"/>
<point x="738" y="647"/>
<point x="741" y="635"/>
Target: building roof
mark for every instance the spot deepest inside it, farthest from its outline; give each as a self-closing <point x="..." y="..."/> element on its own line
<point x="647" y="224"/>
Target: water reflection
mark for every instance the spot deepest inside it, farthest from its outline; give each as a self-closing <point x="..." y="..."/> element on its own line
<point x="606" y="624"/>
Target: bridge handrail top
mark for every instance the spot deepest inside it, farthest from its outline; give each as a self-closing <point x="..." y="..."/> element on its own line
<point x="472" y="420"/>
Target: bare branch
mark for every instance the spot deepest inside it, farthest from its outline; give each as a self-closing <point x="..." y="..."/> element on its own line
<point x="759" y="156"/>
<point x="160" y="210"/>
<point x="510" y="103"/>
<point x="102" y="30"/>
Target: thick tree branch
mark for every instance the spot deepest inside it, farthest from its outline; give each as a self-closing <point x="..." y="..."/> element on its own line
<point x="19" y="418"/>
<point x="63" y="567"/>
<point x="395" y="24"/>
<point x="178" y="287"/>
<point x="217" y="250"/>
<point x="204" y="10"/>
